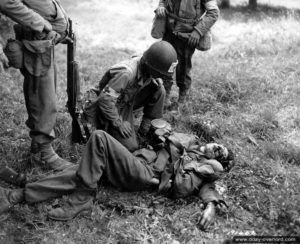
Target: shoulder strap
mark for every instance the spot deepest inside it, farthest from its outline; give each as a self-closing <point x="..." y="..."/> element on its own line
<point x="169" y="4"/>
<point x="198" y="12"/>
<point x="198" y="9"/>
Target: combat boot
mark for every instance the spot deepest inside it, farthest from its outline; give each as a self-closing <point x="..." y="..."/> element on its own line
<point x="182" y="95"/>
<point x="78" y="202"/>
<point x="8" y="198"/>
<point x="44" y="154"/>
<point x="9" y="175"/>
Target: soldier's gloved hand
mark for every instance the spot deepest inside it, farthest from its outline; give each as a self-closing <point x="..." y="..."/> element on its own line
<point x="194" y="38"/>
<point x="125" y="129"/>
<point x="4" y="63"/>
<point x="208" y="215"/>
<point x="161" y="12"/>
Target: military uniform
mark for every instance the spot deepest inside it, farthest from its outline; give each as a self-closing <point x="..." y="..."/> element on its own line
<point x="105" y="156"/>
<point x="38" y="68"/>
<point x="123" y="89"/>
<point x="189" y="11"/>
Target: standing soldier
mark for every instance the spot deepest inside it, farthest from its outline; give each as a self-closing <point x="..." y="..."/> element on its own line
<point x="130" y="85"/>
<point x="188" y="21"/>
<point x="41" y="25"/>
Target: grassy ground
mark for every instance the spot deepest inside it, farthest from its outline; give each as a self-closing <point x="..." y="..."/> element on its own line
<point x="247" y="86"/>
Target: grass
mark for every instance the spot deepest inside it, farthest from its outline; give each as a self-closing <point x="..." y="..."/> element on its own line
<point x="245" y="94"/>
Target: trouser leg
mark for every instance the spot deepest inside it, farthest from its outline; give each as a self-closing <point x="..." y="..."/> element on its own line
<point x="184" y="55"/>
<point x="40" y="99"/>
<point x="52" y="186"/>
<point x="105" y="155"/>
<point x="184" y="67"/>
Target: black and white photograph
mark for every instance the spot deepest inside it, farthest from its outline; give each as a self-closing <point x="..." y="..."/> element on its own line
<point x="150" y="121"/>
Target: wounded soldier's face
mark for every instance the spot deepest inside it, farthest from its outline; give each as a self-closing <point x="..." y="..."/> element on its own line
<point x="215" y="151"/>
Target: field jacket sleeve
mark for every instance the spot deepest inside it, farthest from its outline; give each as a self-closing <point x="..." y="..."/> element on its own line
<point x="23" y="15"/>
<point x="119" y="79"/>
<point x="191" y="179"/>
<point x="210" y="18"/>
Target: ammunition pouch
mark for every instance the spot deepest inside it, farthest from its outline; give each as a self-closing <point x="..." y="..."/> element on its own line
<point x="181" y="28"/>
<point x="14" y="53"/>
<point x="158" y="27"/>
<point x="204" y="43"/>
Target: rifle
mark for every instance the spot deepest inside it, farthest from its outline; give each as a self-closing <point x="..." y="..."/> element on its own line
<point x="73" y="88"/>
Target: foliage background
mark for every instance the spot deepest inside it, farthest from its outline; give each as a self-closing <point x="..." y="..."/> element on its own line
<point x="246" y="87"/>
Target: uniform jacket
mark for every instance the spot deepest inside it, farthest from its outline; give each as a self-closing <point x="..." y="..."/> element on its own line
<point x="35" y="14"/>
<point x="192" y="10"/>
<point x="119" y="87"/>
<point x="183" y="175"/>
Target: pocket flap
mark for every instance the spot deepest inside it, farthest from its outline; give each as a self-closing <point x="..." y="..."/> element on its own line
<point x="39" y="46"/>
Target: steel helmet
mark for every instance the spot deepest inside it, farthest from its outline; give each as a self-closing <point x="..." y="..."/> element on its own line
<point x="161" y="57"/>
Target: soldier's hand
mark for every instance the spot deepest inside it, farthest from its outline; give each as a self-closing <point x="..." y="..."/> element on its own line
<point x="208" y="215"/>
<point x="154" y="181"/>
<point x="47" y="27"/>
<point x="222" y="207"/>
<point x="53" y="35"/>
<point x="161" y="12"/>
<point x="125" y="129"/>
<point x="194" y="39"/>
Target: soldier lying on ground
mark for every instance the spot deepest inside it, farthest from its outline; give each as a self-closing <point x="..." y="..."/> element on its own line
<point x="176" y="169"/>
<point x="128" y="86"/>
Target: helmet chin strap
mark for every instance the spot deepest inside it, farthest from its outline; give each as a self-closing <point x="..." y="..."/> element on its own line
<point x="145" y="69"/>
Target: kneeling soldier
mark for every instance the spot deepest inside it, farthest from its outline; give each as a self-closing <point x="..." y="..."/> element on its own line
<point x="128" y="86"/>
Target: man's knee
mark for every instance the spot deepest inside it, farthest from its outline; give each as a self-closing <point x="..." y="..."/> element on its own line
<point x="97" y="135"/>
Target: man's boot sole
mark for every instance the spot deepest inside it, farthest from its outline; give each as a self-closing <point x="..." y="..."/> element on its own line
<point x="87" y="210"/>
<point x="84" y="212"/>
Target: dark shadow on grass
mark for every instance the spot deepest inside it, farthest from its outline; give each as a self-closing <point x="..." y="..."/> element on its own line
<point x="244" y="13"/>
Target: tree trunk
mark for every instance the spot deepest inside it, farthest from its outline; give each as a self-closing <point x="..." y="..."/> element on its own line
<point x="253" y="4"/>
